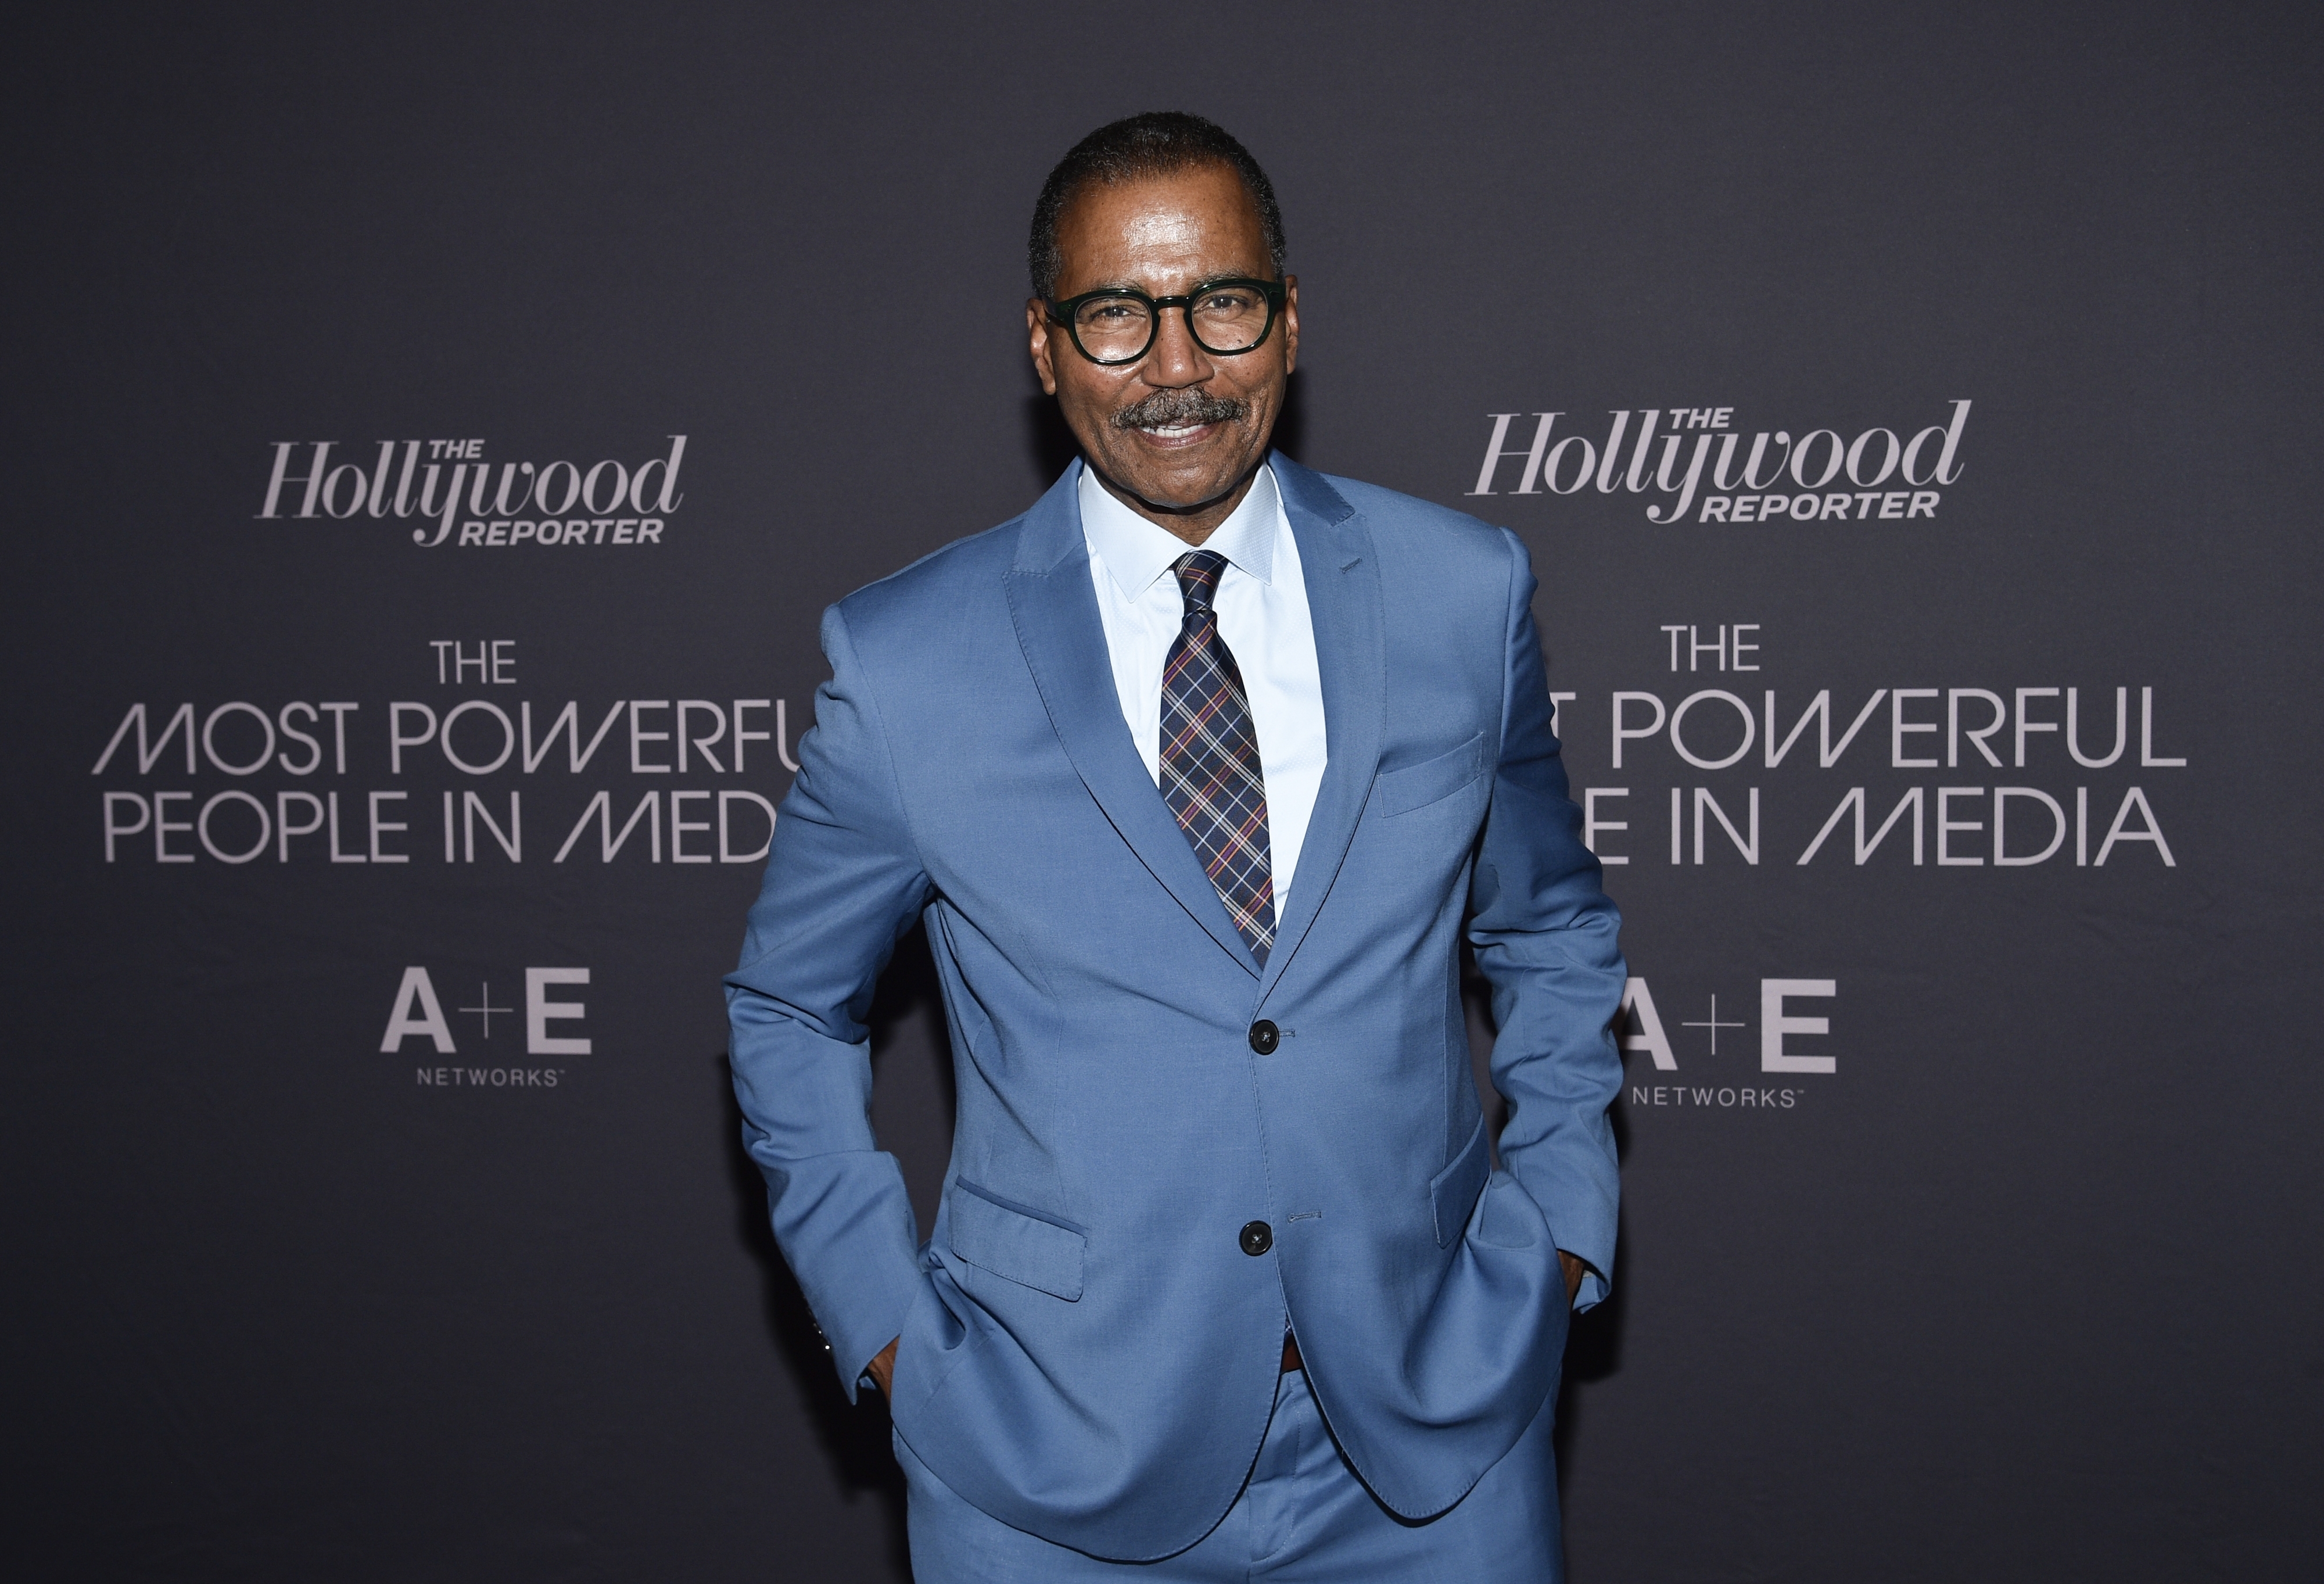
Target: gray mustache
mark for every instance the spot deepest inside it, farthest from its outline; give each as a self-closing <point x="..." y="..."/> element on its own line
<point x="1169" y="408"/>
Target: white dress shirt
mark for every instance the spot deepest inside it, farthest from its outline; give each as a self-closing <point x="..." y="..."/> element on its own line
<point x="1262" y="614"/>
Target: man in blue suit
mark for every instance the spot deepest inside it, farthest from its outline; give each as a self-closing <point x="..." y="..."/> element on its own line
<point x="1198" y="774"/>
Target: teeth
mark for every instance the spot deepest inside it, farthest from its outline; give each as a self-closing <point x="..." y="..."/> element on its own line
<point x="1173" y="431"/>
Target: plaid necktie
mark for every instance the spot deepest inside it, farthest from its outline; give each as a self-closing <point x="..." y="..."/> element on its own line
<point x="1211" y="774"/>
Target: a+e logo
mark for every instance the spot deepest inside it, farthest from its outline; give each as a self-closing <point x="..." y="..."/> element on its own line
<point x="1775" y="1023"/>
<point x="419" y="1012"/>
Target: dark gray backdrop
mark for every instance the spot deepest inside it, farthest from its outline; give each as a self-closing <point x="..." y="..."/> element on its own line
<point x="2024" y="1287"/>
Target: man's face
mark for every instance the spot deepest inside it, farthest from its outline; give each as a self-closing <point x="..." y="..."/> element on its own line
<point x="1180" y="431"/>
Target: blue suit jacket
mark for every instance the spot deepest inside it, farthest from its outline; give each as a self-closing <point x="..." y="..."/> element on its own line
<point x="1087" y="1351"/>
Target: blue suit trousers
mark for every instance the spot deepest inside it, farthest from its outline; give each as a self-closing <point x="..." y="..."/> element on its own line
<point x="1302" y="1517"/>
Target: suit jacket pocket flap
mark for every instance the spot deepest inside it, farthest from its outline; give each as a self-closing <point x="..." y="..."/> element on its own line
<point x="1430" y="780"/>
<point x="1009" y="1242"/>
<point x="1452" y="1193"/>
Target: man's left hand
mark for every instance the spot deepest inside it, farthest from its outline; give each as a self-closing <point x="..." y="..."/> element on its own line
<point x="1573" y="1269"/>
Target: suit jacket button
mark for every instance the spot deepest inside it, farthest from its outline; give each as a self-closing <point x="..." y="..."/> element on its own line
<point x="1264" y="1037"/>
<point x="1257" y="1239"/>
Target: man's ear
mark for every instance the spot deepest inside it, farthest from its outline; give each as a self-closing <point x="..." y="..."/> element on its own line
<point x="1036" y="332"/>
<point x="1290" y="323"/>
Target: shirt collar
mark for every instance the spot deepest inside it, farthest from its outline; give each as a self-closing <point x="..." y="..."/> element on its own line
<point x="1137" y="552"/>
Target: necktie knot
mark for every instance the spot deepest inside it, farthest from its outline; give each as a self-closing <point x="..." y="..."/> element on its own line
<point x="1198" y="577"/>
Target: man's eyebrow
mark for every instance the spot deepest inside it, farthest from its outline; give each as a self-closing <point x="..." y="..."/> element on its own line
<point x="1127" y="287"/>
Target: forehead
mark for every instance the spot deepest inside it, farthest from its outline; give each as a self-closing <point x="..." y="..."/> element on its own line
<point x="1162" y="233"/>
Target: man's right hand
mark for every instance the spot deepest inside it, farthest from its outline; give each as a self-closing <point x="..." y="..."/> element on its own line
<point x="883" y="1369"/>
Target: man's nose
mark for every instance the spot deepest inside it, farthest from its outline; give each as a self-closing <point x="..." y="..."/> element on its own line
<point x="1175" y="359"/>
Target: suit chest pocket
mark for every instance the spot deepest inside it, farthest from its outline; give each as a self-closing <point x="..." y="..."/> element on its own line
<point x="1431" y="781"/>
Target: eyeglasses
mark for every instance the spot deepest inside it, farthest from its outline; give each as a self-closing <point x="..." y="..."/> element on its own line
<point x="1116" y="323"/>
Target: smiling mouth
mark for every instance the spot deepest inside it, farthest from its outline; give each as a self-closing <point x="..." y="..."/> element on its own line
<point x="1174" y="418"/>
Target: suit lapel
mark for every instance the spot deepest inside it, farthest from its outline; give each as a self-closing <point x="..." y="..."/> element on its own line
<point x="1341" y="572"/>
<point x="1055" y="610"/>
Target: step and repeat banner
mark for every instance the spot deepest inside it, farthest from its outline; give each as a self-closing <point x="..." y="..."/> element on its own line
<point x="435" y="435"/>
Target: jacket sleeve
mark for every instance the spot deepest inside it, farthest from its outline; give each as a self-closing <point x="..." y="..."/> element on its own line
<point x="1545" y="937"/>
<point x="843" y="881"/>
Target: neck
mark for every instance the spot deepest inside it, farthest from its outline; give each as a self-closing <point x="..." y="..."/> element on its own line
<point x="1193" y="524"/>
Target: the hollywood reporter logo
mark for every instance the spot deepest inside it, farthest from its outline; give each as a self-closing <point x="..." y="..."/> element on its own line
<point x="521" y="503"/>
<point x="1700" y="458"/>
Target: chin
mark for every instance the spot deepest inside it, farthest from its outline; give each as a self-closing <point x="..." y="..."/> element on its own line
<point x="1186" y="496"/>
<point x="1188" y="485"/>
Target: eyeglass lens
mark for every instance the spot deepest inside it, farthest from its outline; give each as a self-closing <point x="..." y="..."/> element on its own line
<point x="1224" y="318"/>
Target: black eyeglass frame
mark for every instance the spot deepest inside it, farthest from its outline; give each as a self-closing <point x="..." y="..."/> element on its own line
<point x="1062" y="312"/>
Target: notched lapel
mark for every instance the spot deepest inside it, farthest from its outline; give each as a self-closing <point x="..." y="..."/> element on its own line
<point x="1342" y="571"/>
<point x="1055" y="611"/>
